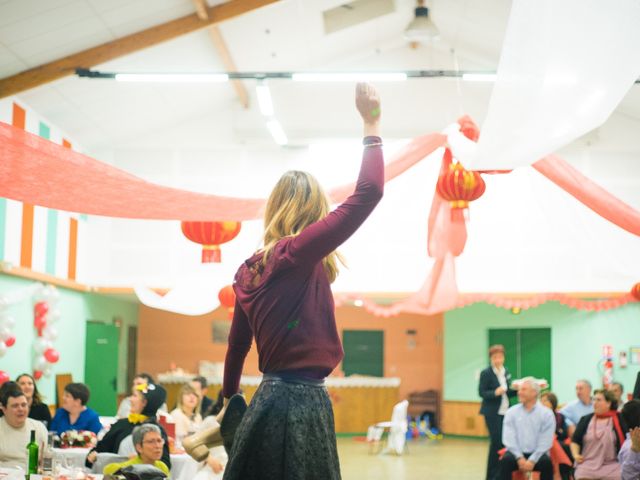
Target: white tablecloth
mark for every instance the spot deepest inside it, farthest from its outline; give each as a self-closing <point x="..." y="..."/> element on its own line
<point x="183" y="467"/>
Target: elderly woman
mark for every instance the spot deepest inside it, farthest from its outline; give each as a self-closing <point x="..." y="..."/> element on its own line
<point x="38" y="410"/>
<point x="186" y="415"/>
<point x="149" y="443"/>
<point x="597" y="440"/>
<point x="74" y="414"/>
<point x="145" y="401"/>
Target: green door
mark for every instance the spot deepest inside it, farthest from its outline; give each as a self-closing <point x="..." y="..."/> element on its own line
<point x="101" y="366"/>
<point x="528" y="351"/>
<point x="363" y="352"/>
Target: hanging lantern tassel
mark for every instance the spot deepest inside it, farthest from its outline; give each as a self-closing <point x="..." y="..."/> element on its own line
<point x="458" y="186"/>
<point x="211" y="235"/>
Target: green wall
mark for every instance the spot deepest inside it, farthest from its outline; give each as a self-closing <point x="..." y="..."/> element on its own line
<point x="76" y="308"/>
<point x="576" y="343"/>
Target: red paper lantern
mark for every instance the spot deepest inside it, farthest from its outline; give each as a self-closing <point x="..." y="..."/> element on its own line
<point x="51" y="355"/>
<point x="227" y="298"/>
<point x="457" y="185"/>
<point x="635" y="291"/>
<point x="10" y="341"/>
<point x="210" y="235"/>
<point x="37" y="374"/>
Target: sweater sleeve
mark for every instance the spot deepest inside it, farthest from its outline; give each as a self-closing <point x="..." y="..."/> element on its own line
<point x="321" y="238"/>
<point x="240" y="338"/>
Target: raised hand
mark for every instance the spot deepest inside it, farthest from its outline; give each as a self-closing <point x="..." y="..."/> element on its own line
<point x="368" y="103"/>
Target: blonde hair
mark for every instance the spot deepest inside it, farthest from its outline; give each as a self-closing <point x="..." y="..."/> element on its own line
<point x="185" y="389"/>
<point x="296" y="202"/>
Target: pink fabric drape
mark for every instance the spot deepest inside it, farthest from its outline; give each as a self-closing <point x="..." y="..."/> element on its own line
<point x="37" y="171"/>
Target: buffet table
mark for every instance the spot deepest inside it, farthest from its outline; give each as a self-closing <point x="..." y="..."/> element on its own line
<point x="358" y="401"/>
<point x="183" y="467"/>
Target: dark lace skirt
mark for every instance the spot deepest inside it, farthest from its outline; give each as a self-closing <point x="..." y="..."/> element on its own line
<point x="287" y="433"/>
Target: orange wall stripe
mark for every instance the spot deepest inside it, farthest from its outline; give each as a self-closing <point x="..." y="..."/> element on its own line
<point x="18" y="119"/>
<point x="73" y="248"/>
<point x="73" y="235"/>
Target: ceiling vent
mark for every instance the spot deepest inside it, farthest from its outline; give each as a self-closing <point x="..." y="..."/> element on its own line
<point x="354" y="13"/>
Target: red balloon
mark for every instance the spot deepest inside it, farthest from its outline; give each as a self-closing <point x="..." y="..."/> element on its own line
<point x="40" y="309"/>
<point x="51" y="355"/>
<point x="37" y="374"/>
<point x="40" y="322"/>
<point x="10" y="341"/>
<point x="4" y="377"/>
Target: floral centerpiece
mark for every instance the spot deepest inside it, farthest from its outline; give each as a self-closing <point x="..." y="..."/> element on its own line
<point x="78" y="439"/>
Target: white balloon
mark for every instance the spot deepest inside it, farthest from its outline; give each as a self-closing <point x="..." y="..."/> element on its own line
<point x="7" y="321"/>
<point x="47" y="371"/>
<point x="4" y="303"/>
<point x="53" y="315"/>
<point x="40" y="363"/>
<point x="4" y="333"/>
<point x="50" y="332"/>
<point x="41" y="344"/>
<point x="49" y="294"/>
<point x="3" y="349"/>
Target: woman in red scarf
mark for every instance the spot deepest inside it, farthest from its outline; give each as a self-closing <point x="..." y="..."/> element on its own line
<point x="597" y="440"/>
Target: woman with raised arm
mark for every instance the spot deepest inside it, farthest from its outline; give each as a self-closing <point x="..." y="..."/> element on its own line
<point x="284" y="301"/>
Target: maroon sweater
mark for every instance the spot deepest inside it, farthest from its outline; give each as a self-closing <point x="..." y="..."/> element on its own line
<point x="290" y="310"/>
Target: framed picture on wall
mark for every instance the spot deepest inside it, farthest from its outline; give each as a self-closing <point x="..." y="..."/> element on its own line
<point x="634" y="355"/>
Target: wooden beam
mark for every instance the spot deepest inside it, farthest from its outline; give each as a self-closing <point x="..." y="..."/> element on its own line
<point x="223" y="51"/>
<point x="123" y="46"/>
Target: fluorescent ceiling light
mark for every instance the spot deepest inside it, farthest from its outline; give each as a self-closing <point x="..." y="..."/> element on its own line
<point x="264" y="99"/>
<point x="277" y="132"/>
<point x="172" y="77"/>
<point x="349" y="77"/>
<point x="479" y="77"/>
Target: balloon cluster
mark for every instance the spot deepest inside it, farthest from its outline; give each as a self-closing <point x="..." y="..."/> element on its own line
<point x="7" y="338"/>
<point x="45" y="315"/>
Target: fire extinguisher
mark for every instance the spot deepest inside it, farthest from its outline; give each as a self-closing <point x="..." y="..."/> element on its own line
<point x="607" y="364"/>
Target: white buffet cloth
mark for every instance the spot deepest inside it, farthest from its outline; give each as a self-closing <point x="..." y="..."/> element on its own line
<point x="183" y="467"/>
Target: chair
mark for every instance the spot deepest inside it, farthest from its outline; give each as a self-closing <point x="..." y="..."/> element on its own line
<point x="397" y="431"/>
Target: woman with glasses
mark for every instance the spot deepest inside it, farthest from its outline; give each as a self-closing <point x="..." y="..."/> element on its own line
<point x="148" y="442"/>
<point x="145" y="401"/>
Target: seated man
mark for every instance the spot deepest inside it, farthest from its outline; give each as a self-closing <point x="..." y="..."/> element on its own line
<point x="581" y="406"/>
<point x="148" y="442"/>
<point x="199" y="384"/>
<point x="527" y="434"/>
<point x="74" y="414"/>
<point x="15" y="429"/>
<point x="629" y="456"/>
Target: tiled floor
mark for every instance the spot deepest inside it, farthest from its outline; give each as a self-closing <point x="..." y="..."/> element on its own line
<point x="455" y="459"/>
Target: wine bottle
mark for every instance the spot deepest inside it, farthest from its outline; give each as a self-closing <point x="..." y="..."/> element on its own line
<point x="32" y="452"/>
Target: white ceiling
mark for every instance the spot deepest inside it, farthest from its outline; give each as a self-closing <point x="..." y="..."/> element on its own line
<point x="284" y="36"/>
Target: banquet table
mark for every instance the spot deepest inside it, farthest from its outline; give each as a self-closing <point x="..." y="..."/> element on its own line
<point x="183" y="467"/>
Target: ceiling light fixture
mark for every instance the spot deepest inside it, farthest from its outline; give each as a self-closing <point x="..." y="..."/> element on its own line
<point x="349" y="77"/>
<point x="421" y="29"/>
<point x="479" y="77"/>
<point x="264" y="99"/>
<point x="277" y="132"/>
<point x="172" y="77"/>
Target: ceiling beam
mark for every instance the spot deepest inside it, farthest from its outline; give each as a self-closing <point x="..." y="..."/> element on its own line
<point x="150" y="37"/>
<point x="223" y="51"/>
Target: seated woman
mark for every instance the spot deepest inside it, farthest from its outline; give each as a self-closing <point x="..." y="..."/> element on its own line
<point x="74" y="414"/>
<point x="560" y="452"/>
<point x="38" y="410"/>
<point x="145" y="402"/>
<point x="125" y="405"/>
<point x="186" y="415"/>
<point x="597" y="440"/>
<point x="149" y="444"/>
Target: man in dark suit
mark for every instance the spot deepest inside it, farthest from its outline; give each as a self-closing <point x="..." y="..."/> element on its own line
<point x="494" y="388"/>
<point x="199" y="384"/>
